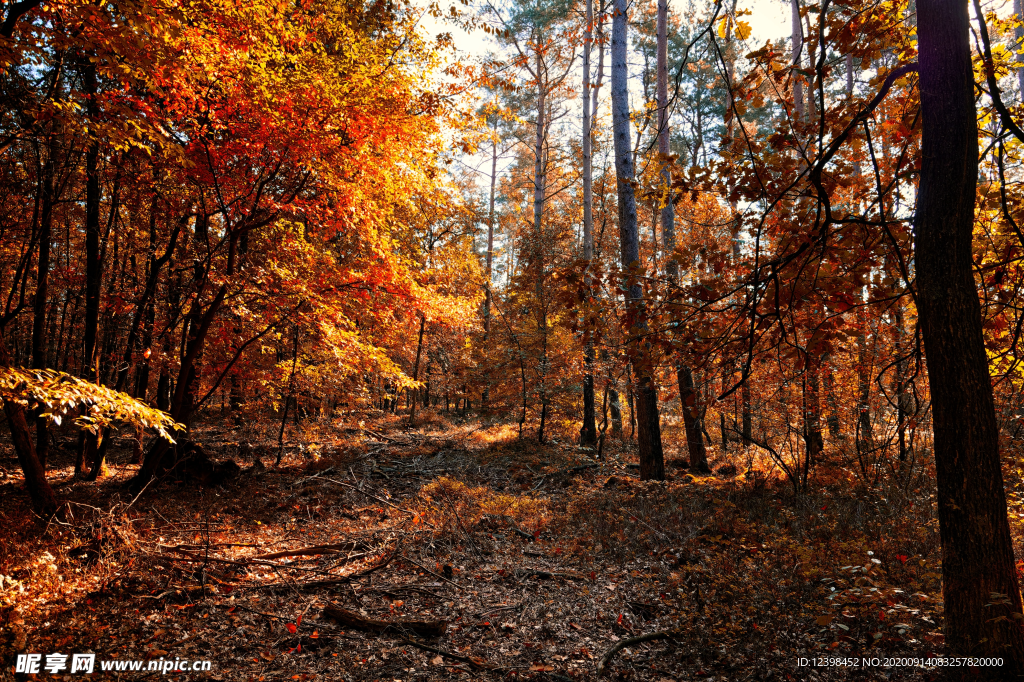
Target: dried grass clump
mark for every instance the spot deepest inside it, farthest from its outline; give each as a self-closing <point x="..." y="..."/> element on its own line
<point x="428" y="416"/>
<point x="453" y="506"/>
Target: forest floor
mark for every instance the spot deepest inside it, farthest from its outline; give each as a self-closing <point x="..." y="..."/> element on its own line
<point x="458" y="551"/>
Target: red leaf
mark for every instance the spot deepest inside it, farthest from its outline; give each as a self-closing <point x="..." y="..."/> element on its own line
<point x="291" y="628"/>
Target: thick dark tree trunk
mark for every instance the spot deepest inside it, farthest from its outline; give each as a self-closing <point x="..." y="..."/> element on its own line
<point x="980" y="588"/>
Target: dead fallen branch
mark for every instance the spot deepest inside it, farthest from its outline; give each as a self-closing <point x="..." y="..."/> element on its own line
<point x="389" y="439"/>
<point x="436" y="575"/>
<point x="201" y="559"/>
<point x="218" y="545"/>
<point x="423" y="628"/>
<point x="537" y="573"/>
<point x="314" y="550"/>
<point x="631" y="641"/>
<point x="509" y="522"/>
<point x="340" y="580"/>
<point x="567" y="472"/>
<point x="472" y="661"/>
<point x="372" y="497"/>
<point x="521" y="533"/>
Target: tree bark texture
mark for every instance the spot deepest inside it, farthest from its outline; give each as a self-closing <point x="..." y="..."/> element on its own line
<point x="692" y="413"/>
<point x="980" y="586"/>
<point x="652" y="462"/>
<point x="39" y="303"/>
<point x="588" y="433"/>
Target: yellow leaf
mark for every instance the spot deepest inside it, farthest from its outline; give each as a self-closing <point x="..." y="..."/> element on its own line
<point x="742" y="30"/>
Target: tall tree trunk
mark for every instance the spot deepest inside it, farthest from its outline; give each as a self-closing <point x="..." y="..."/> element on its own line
<point x="812" y="65"/>
<point x="490" y="234"/>
<point x="863" y="416"/>
<point x="89" y="443"/>
<point x="93" y="264"/>
<point x="689" y="398"/>
<point x="798" y="44"/>
<point x="1018" y="33"/>
<point x="980" y="588"/>
<point x="652" y="460"/>
<point x="487" y="274"/>
<point x="539" y="188"/>
<point x="39" y="303"/>
<point x="588" y="433"/>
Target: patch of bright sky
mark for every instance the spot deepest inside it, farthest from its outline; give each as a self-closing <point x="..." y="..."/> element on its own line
<point x="769" y="20"/>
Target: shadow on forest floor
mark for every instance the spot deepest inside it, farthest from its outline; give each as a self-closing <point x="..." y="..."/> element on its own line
<point x="533" y="560"/>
